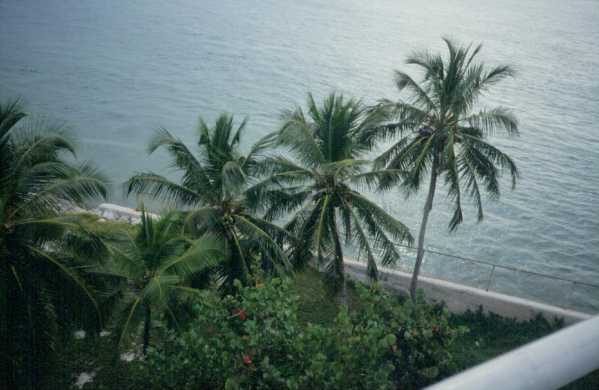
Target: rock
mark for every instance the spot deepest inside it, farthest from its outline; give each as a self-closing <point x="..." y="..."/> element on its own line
<point x="79" y="335"/>
<point x="84" y="378"/>
<point x="128" y="356"/>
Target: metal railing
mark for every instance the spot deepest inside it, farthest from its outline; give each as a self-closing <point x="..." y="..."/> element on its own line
<point x="555" y="290"/>
<point x="546" y="364"/>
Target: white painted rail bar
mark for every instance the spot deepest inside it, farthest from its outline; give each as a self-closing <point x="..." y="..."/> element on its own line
<point x="545" y="364"/>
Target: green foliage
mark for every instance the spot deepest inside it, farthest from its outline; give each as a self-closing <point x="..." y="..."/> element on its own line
<point x="322" y="186"/>
<point x="443" y="130"/>
<point x="316" y="305"/>
<point x="442" y="133"/>
<point x="217" y="193"/>
<point x="41" y="285"/>
<point x="154" y="273"/>
<point x="423" y="333"/>
<point x="255" y="340"/>
<point x="490" y="335"/>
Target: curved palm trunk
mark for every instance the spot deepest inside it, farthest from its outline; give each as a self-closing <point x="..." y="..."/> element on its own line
<point x="147" y="323"/>
<point x="428" y="206"/>
<point x="340" y="265"/>
<point x="33" y="379"/>
<point x="9" y="326"/>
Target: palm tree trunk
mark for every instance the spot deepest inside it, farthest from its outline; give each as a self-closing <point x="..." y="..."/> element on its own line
<point x="147" y="323"/>
<point x="428" y="206"/>
<point x="30" y="354"/>
<point x="339" y="260"/>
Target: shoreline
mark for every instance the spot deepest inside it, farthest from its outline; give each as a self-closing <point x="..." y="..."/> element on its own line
<point x="458" y="297"/>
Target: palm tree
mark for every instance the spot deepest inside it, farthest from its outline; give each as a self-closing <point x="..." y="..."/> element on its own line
<point x="154" y="273"/>
<point x="37" y="183"/>
<point x="444" y="133"/>
<point x="323" y="182"/>
<point x="215" y="187"/>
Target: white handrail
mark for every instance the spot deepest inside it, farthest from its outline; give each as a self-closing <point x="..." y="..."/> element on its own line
<point x="545" y="364"/>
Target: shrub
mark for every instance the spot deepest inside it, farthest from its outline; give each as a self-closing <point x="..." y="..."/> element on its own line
<point x="422" y="332"/>
<point x="255" y="340"/>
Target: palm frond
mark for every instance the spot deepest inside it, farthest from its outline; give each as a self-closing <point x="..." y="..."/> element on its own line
<point x="35" y="144"/>
<point x="490" y="121"/>
<point x="233" y="178"/>
<point x="497" y="74"/>
<point x="298" y="135"/>
<point x="405" y="82"/>
<point x="195" y="174"/>
<point x="10" y="114"/>
<point x="378" y="178"/>
<point x="159" y="187"/>
<point x="206" y="252"/>
<point x="259" y="149"/>
<point x="497" y="157"/>
<point x="398" y="231"/>
<point x="269" y="249"/>
<point x="469" y="176"/>
<point x="453" y="180"/>
<point x="68" y="272"/>
<point x="363" y="242"/>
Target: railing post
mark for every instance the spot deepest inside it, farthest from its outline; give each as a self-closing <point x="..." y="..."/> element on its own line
<point x="490" y="278"/>
<point x="573" y="284"/>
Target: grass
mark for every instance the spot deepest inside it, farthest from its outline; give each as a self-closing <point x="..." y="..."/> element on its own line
<point x="489" y="336"/>
<point x="317" y="303"/>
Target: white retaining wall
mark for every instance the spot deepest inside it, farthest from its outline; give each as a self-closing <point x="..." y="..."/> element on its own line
<point x="459" y="298"/>
<point x="120" y="213"/>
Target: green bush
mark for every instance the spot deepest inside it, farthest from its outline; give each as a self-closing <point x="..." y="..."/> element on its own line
<point x="255" y="340"/>
<point x="422" y="333"/>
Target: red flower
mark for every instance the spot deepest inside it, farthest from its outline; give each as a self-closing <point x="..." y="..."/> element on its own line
<point x="241" y="314"/>
<point x="247" y="360"/>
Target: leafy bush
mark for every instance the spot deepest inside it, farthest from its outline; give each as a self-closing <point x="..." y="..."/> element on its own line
<point x="255" y="340"/>
<point x="422" y="333"/>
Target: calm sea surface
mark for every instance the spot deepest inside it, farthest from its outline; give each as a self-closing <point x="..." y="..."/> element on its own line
<point x="115" y="71"/>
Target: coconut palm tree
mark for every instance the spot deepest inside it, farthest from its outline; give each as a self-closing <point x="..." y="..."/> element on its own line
<point x="37" y="184"/>
<point x="323" y="182"/>
<point x="154" y="273"/>
<point x="214" y="190"/>
<point x="444" y="133"/>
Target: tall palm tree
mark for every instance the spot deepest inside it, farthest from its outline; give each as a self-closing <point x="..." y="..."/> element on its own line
<point x="444" y="133"/>
<point x="37" y="183"/>
<point x="214" y="189"/>
<point x="323" y="182"/>
<point x="154" y="273"/>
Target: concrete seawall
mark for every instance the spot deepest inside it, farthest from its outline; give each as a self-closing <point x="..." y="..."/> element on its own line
<point x="460" y="298"/>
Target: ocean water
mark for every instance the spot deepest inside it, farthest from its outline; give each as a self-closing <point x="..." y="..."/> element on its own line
<point x="115" y="71"/>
